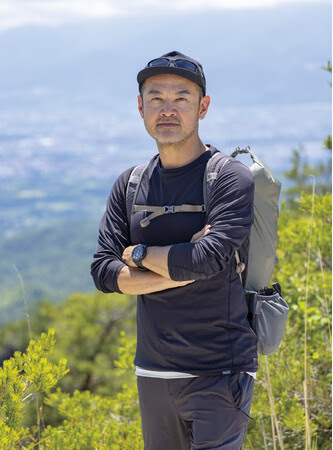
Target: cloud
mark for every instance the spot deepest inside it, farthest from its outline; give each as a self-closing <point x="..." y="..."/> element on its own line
<point x="18" y="13"/>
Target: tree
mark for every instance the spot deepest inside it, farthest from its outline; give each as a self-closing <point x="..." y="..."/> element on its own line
<point x="301" y="173"/>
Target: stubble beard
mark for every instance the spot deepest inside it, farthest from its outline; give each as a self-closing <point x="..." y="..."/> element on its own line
<point x="175" y="140"/>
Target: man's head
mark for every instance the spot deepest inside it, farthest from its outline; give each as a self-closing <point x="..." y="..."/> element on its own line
<point x="174" y="63"/>
<point x="173" y="99"/>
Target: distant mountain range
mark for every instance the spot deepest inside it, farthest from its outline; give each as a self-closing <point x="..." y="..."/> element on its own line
<point x="265" y="56"/>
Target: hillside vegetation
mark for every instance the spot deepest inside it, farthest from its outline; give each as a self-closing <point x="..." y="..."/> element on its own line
<point x="96" y="406"/>
<point x="53" y="261"/>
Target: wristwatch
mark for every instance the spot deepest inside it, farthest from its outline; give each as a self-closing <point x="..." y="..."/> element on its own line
<point x="138" y="254"/>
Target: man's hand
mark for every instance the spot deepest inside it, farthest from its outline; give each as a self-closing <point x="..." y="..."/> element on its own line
<point x="200" y="234"/>
<point x="131" y="280"/>
<point x="127" y="256"/>
<point x="136" y="282"/>
<point x="127" y="253"/>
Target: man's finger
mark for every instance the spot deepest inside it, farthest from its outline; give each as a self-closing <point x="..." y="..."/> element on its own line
<point x="200" y="234"/>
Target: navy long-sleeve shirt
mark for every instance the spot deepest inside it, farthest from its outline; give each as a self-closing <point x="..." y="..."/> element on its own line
<point x="200" y="328"/>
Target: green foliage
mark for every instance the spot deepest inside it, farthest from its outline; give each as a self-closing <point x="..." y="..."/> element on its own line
<point x="126" y="351"/>
<point x="286" y="367"/>
<point x="22" y="379"/>
<point x="328" y="68"/>
<point x="92" y="421"/>
<point x="45" y="256"/>
<point x="88" y="335"/>
<point x="88" y="420"/>
<point x="89" y="327"/>
<point x="301" y="175"/>
<point x="88" y="332"/>
<point x="97" y="403"/>
<point x="39" y="372"/>
<point x="328" y="143"/>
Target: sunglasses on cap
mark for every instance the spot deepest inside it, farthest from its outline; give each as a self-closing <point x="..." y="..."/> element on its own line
<point x="180" y="63"/>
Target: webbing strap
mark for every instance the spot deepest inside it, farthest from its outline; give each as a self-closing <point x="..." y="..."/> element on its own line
<point x="161" y="210"/>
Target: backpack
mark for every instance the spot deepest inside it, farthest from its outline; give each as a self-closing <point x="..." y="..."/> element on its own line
<point x="268" y="311"/>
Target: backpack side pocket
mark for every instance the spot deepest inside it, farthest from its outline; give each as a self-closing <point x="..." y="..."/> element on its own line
<point x="268" y="313"/>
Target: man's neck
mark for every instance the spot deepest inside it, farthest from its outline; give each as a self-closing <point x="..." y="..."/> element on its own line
<point x="173" y="156"/>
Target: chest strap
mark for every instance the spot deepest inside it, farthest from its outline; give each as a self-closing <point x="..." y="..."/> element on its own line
<point x="161" y="210"/>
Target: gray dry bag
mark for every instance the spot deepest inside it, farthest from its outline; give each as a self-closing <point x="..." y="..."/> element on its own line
<point x="263" y="239"/>
<point x="268" y="311"/>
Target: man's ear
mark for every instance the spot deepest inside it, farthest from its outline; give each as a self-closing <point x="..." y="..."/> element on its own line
<point x="140" y="105"/>
<point x="204" y="105"/>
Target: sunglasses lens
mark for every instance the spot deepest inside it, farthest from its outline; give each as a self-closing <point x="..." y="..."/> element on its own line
<point x="187" y="65"/>
<point x="180" y="63"/>
<point x="160" y="62"/>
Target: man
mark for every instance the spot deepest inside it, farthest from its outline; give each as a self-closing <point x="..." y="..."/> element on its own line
<point x="196" y="353"/>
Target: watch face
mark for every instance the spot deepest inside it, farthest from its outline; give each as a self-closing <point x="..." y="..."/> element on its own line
<point x="137" y="253"/>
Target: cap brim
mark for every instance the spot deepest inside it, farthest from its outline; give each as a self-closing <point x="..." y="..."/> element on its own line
<point x="151" y="71"/>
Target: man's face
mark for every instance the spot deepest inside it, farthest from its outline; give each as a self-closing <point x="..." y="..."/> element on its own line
<point x="171" y="107"/>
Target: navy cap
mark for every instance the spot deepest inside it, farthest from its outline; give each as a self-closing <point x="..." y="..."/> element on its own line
<point x="174" y="63"/>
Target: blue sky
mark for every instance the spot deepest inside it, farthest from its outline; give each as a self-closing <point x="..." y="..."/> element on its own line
<point x="18" y="13"/>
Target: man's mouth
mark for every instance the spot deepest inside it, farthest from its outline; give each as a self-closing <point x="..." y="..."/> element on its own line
<point x="167" y="124"/>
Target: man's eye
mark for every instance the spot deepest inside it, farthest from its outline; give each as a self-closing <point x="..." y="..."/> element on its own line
<point x="181" y="99"/>
<point x="156" y="99"/>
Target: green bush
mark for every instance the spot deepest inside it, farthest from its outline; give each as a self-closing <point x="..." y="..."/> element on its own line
<point x="306" y="286"/>
<point x="23" y="379"/>
<point x="92" y="421"/>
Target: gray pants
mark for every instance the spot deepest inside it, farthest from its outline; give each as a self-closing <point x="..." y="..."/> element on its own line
<point x="195" y="413"/>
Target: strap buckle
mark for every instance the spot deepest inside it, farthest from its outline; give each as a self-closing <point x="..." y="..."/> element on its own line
<point x="169" y="209"/>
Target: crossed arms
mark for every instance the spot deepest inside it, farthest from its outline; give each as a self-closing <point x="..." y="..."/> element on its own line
<point x="131" y="280"/>
<point x="208" y="253"/>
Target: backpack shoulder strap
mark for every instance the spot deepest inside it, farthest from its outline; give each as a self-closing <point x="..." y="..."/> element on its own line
<point x="133" y="186"/>
<point x="214" y="166"/>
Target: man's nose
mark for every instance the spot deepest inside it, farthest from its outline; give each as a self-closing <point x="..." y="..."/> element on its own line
<point x="168" y="109"/>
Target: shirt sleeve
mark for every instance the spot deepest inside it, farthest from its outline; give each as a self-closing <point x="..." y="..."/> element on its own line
<point x="113" y="238"/>
<point x="230" y="215"/>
